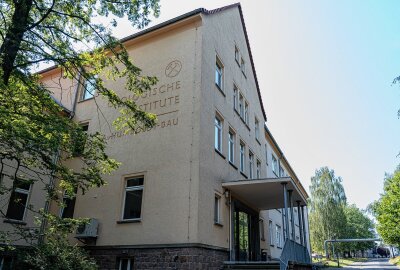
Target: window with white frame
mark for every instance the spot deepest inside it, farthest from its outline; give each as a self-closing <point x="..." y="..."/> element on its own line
<point x="275" y="165"/>
<point x="133" y="198"/>
<point x="237" y="55"/>
<point x="262" y="230"/>
<point x="89" y="88"/>
<point x="271" y="233"/>
<point x="278" y="236"/>
<point x="246" y="112"/>
<point x="242" y="156"/>
<point x="243" y="66"/>
<point x="125" y="264"/>
<point x="218" y="133"/>
<point x="235" y="97"/>
<point x="258" y="169"/>
<point x="219" y="73"/>
<point x="251" y="164"/>
<point x="217" y="209"/>
<point x="257" y="128"/>
<point x="67" y="210"/>
<point x="231" y="147"/>
<point x="18" y="200"/>
<point x="281" y="171"/>
<point x="241" y="106"/>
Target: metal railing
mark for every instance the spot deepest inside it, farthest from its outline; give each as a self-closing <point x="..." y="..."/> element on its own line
<point x="293" y="252"/>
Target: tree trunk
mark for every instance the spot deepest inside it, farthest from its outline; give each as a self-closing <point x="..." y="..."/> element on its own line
<point x="12" y="42"/>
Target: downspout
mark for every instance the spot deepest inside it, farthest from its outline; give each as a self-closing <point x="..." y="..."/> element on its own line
<point x="52" y="180"/>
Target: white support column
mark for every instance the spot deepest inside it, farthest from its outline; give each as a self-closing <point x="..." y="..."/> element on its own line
<point x="293" y="231"/>
<point x="285" y="198"/>
<point x="300" y="223"/>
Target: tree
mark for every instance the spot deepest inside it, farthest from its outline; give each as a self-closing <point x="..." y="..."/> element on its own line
<point x="327" y="201"/>
<point x="358" y="225"/>
<point x="36" y="133"/>
<point x="387" y="210"/>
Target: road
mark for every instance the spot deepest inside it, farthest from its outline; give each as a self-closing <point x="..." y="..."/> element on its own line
<point x="372" y="264"/>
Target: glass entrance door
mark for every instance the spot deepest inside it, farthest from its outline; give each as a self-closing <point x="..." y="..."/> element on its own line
<point x="245" y="233"/>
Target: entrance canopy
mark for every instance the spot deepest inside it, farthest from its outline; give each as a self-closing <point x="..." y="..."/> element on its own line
<point x="265" y="194"/>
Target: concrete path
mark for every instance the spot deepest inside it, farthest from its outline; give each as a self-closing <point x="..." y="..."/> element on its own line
<point x="372" y="264"/>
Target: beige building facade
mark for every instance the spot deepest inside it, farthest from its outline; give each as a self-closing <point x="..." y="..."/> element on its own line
<point x="208" y="184"/>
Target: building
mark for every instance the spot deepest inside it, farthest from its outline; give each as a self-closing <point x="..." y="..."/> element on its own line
<point x="209" y="183"/>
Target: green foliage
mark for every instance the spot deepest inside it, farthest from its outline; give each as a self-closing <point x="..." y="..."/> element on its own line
<point x="327" y="218"/>
<point x="37" y="135"/>
<point x="359" y="225"/>
<point x="387" y="210"/>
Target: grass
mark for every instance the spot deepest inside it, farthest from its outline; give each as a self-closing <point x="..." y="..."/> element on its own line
<point x="396" y="261"/>
<point x="342" y="261"/>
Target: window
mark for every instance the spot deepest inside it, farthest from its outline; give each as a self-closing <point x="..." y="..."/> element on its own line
<point x="243" y="66"/>
<point x="80" y="141"/>
<point x="133" y="198"/>
<point x="89" y="89"/>
<point x="217" y="209"/>
<point x="67" y="211"/>
<point x="246" y="113"/>
<point x="242" y="157"/>
<point x="278" y="236"/>
<point x="274" y="165"/>
<point x="235" y="97"/>
<point x="219" y="69"/>
<point x="266" y="154"/>
<point x="262" y="234"/>
<point x="258" y="169"/>
<point x="6" y="263"/>
<point x="218" y="134"/>
<point x="251" y="164"/>
<point x="231" y="147"/>
<point x="237" y="55"/>
<point x="257" y="129"/>
<point x="271" y="233"/>
<point x="281" y="171"/>
<point x="125" y="264"/>
<point x="241" y="106"/>
<point x="18" y="200"/>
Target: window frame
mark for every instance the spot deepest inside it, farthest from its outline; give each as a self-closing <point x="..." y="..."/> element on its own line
<point x="257" y="128"/>
<point x="275" y="166"/>
<point x="258" y="168"/>
<point x="262" y="229"/>
<point x="134" y="188"/>
<point x="242" y="163"/>
<point x="243" y="66"/>
<point x="251" y="164"/>
<point x="246" y="112"/>
<point x="129" y="266"/>
<point x="219" y="69"/>
<point x="72" y="200"/>
<point x="218" y="132"/>
<point x="241" y="105"/>
<point x="278" y="233"/>
<point x="231" y="146"/>
<point x="217" y="209"/>
<point x="26" y="192"/>
<point x="85" y="89"/>
<point x="235" y="97"/>
<point x="271" y="232"/>
<point x="237" y="55"/>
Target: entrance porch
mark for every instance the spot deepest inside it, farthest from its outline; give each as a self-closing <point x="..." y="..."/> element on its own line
<point x="248" y="198"/>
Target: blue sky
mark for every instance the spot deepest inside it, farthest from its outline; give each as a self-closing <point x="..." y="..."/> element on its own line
<point x="325" y="70"/>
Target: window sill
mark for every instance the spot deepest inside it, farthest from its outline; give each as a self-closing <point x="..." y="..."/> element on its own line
<point x="272" y="245"/>
<point x="129" y="221"/>
<point x="241" y="118"/>
<point x="219" y="153"/>
<point x="218" y="224"/>
<point x="244" y="74"/>
<point x="14" y="221"/>
<point x="244" y="175"/>
<point x="83" y="100"/>
<point x="257" y="140"/>
<point x="262" y="239"/>
<point x="233" y="165"/>
<point x="222" y="91"/>
<point x="278" y="247"/>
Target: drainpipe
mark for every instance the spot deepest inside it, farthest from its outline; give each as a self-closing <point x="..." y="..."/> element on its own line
<point x="56" y="159"/>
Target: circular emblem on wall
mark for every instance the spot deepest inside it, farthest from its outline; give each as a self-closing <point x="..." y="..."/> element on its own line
<point x="173" y="68"/>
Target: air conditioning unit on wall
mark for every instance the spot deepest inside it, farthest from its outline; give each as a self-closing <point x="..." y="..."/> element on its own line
<point x="88" y="230"/>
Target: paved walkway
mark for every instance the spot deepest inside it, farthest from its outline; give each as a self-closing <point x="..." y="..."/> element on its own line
<point x="372" y="264"/>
